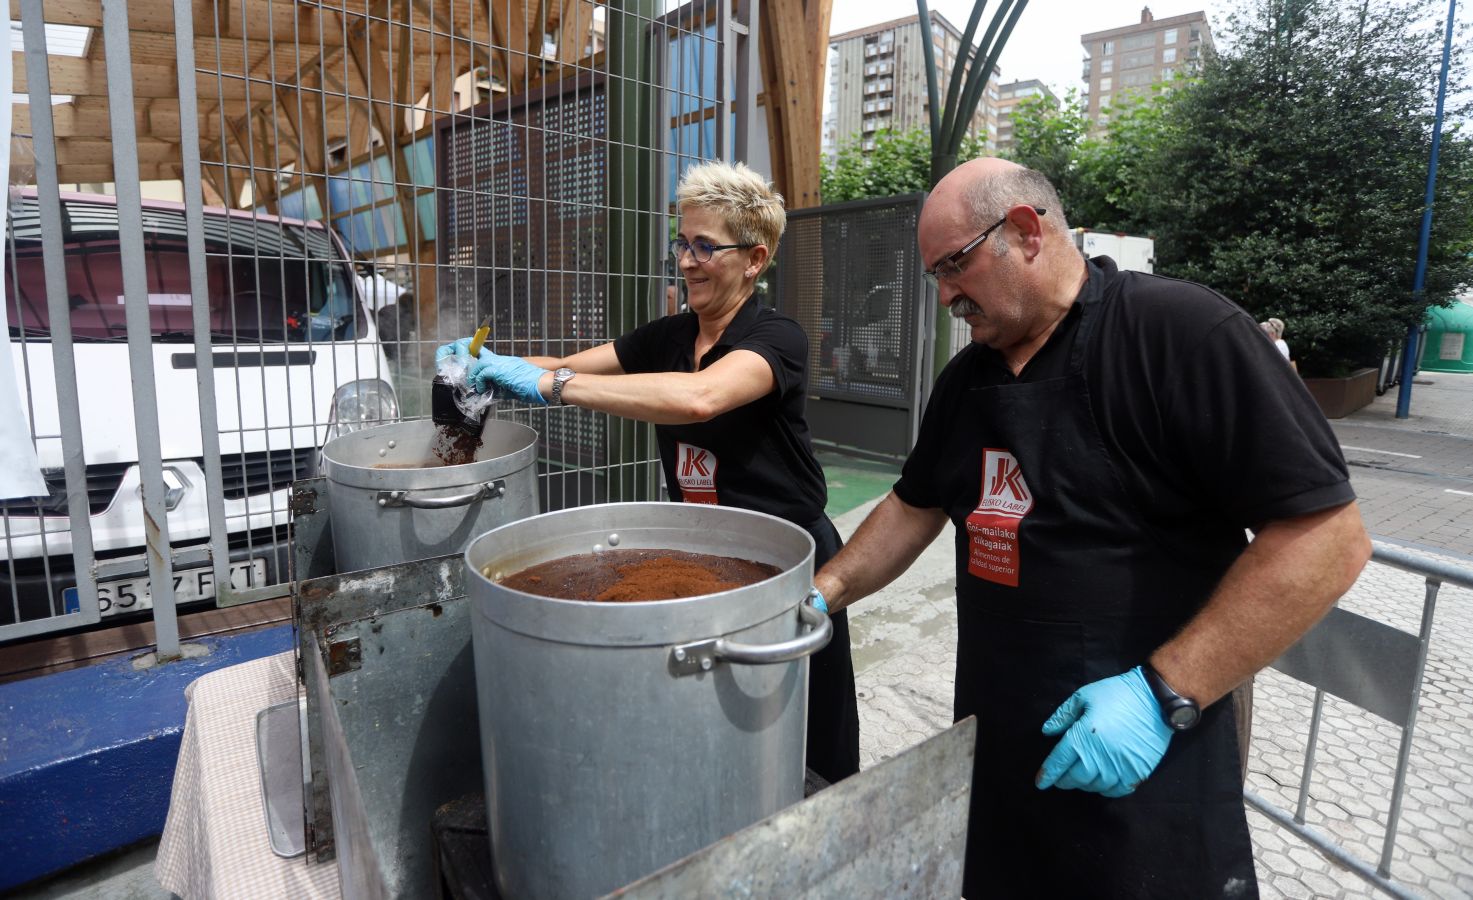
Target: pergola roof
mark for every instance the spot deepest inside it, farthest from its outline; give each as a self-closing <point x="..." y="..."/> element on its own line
<point x="297" y="86"/>
<point x="285" y="81"/>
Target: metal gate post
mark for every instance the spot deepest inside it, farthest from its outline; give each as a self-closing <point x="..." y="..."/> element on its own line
<point x="48" y="202"/>
<point x="199" y="289"/>
<point x="634" y="39"/>
<point x="746" y="22"/>
<point x="140" y="337"/>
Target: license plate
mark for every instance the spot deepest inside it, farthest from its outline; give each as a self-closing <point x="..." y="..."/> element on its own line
<point x="132" y="594"/>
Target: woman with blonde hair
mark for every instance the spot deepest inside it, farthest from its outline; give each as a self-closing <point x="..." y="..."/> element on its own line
<point x="1278" y="328"/>
<point x="725" y="384"/>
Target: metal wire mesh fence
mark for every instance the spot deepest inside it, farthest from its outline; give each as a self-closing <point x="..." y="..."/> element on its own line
<point x="237" y="229"/>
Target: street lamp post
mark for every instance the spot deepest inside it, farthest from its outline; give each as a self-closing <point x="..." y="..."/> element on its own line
<point x="1409" y="358"/>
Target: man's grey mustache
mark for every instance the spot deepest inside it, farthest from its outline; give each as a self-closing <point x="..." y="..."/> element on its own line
<point x="963" y="306"/>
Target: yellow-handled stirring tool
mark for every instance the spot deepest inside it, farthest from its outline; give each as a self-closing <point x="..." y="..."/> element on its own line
<point x="479" y="339"/>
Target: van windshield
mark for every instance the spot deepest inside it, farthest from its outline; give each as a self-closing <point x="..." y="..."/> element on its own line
<point x="269" y="282"/>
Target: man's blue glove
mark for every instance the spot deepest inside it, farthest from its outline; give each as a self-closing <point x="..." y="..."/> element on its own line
<point x="815" y="597"/>
<point x="1115" y="738"/>
<point x="512" y="374"/>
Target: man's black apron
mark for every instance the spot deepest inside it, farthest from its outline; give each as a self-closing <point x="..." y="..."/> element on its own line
<point x="1060" y="582"/>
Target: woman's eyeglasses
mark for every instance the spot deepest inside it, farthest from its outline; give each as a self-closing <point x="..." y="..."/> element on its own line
<point x="701" y="249"/>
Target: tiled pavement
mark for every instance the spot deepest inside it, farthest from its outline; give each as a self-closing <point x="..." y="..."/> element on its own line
<point x="1415" y="481"/>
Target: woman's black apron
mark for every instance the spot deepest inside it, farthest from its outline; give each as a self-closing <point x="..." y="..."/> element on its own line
<point x="1061" y="582"/>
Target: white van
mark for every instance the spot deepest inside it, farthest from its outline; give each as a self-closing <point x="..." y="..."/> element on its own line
<point x="1132" y="253"/>
<point x="296" y="358"/>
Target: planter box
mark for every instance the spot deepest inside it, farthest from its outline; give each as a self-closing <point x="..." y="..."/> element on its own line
<point x="1339" y="397"/>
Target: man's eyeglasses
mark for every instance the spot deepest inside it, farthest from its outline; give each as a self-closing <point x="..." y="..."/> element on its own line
<point x="701" y="249"/>
<point x="950" y="268"/>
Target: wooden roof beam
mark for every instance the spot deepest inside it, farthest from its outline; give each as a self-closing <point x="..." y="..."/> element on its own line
<point x="88" y="78"/>
<point x="99" y="173"/>
<point x="281" y="20"/>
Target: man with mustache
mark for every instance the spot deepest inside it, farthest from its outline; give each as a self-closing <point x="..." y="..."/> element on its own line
<point x="1101" y="448"/>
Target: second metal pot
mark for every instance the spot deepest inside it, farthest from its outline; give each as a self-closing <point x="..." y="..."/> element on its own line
<point x="388" y="507"/>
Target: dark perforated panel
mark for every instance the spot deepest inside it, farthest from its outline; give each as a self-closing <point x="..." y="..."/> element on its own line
<point x="851" y="275"/>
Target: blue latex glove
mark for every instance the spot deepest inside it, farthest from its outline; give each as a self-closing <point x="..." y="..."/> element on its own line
<point x="815" y="597"/>
<point x="1115" y="737"/>
<point x="512" y="374"/>
<point x="461" y="347"/>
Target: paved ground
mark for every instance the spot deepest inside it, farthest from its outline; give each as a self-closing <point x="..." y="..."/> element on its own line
<point x="1415" y="480"/>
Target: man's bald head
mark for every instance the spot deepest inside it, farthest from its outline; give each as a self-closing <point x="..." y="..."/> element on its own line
<point x="1013" y="293"/>
<point x="982" y="190"/>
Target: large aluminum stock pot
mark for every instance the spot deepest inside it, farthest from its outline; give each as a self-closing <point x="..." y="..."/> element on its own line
<point x="387" y="507"/>
<point x="619" y="737"/>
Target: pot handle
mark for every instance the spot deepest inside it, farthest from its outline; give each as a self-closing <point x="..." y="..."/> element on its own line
<point x="390" y="499"/>
<point x="702" y="656"/>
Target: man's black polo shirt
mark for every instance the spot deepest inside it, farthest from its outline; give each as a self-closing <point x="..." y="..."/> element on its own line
<point x="757" y="456"/>
<point x="1207" y="427"/>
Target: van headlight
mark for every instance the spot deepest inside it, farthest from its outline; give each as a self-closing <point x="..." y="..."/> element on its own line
<point x="362" y="404"/>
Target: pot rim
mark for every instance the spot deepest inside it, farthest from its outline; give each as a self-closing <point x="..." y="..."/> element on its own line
<point x="642" y="622"/>
<point x="421" y="432"/>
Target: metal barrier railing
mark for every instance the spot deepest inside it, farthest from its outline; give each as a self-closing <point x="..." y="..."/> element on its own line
<point x="1379" y="669"/>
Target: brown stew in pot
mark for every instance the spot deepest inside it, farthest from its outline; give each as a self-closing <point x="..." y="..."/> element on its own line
<point x="620" y="576"/>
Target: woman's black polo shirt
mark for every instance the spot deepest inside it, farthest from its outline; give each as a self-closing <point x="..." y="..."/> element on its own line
<point x="758" y="456"/>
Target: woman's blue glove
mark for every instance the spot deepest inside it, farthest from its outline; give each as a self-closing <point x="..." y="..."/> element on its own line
<point x="461" y="347"/>
<point x="512" y="374"/>
<point x="1115" y="737"/>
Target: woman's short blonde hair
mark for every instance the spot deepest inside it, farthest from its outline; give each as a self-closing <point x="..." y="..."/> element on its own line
<point x="744" y="200"/>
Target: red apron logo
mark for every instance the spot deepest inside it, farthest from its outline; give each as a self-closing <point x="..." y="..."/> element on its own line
<point x="695" y="471"/>
<point x="993" y="526"/>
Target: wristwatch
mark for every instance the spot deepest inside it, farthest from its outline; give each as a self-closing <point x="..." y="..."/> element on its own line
<point x="560" y="377"/>
<point x="1178" y="712"/>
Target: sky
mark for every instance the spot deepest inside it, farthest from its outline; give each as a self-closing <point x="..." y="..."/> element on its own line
<point x="1045" y="43"/>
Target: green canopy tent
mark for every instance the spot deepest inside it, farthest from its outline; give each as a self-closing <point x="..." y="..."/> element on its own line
<point x="1449" y="343"/>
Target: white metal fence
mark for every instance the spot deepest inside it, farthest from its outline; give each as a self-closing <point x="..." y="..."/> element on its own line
<point x="237" y="229"/>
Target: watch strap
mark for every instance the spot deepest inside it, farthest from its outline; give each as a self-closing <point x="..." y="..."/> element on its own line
<point x="1178" y="712"/>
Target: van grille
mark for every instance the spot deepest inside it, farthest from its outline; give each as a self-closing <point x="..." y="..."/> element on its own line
<point x="248" y="474"/>
<point x="102" y="485"/>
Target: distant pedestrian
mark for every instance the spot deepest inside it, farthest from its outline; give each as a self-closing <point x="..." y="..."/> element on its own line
<point x="1278" y="326"/>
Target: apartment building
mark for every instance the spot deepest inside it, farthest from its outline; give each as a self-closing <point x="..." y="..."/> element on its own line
<point x="1009" y="96"/>
<point x="1127" y="60"/>
<point x="877" y="80"/>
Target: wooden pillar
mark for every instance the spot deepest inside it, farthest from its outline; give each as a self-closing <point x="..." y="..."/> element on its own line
<point x="794" y="50"/>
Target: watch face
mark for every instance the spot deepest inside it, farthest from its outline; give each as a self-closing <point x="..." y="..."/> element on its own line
<point x="1184" y="717"/>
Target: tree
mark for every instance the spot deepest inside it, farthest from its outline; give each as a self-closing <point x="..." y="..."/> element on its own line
<point x="1046" y="138"/>
<point x="1100" y="179"/>
<point x="900" y="163"/>
<point x="1290" y="175"/>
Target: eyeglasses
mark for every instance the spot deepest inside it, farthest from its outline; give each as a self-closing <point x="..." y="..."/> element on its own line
<point x="701" y="249"/>
<point x="950" y="269"/>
